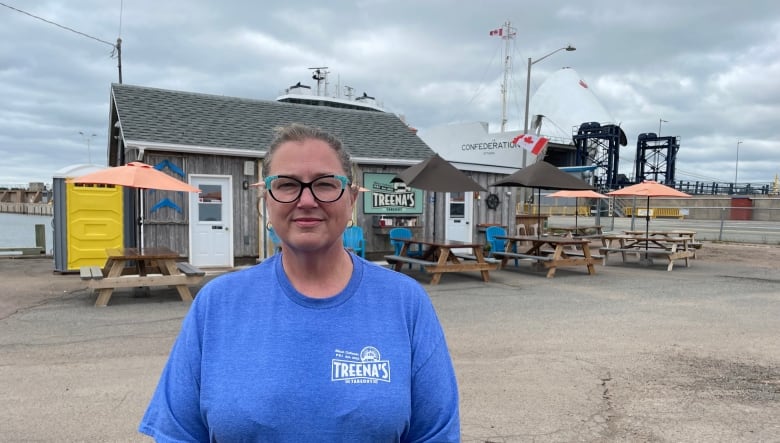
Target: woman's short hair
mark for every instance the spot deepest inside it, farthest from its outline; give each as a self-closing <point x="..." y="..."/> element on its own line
<point x="298" y="132"/>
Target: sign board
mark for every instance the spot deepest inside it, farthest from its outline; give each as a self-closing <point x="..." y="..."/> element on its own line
<point x="386" y="197"/>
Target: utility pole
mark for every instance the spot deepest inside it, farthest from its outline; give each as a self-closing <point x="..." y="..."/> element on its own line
<point x="89" y="143"/>
<point x="118" y="48"/>
<point x="736" y="167"/>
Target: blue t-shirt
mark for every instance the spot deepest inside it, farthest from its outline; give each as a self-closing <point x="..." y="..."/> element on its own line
<point x="258" y="361"/>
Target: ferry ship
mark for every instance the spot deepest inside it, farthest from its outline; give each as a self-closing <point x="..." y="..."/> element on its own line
<point x="303" y="94"/>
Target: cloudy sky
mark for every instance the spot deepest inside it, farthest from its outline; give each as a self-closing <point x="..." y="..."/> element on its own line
<point x="710" y="70"/>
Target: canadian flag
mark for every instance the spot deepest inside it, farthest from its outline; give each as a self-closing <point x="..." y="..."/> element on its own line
<point x="499" y="32"/>
<point x="533" y="143"/>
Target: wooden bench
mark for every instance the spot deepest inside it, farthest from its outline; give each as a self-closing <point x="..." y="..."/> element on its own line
<point x="523" y="256"/>
<point x="604" y="251"/>
<point x="190" y="275"/>
<point x="91" y="272"/>
<point x="580" y="253"/>
<point x="437" y="269"/>
<point x="189" y="269"/>
<point x="473" y="257"/>
<point x="549" y="262"/>
<point x="391" y="259"/>
<point x="590" y="236"/>
<point x="670" y="255"/>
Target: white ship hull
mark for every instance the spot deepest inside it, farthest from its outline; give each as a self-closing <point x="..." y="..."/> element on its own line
<point x="475" y="148"/>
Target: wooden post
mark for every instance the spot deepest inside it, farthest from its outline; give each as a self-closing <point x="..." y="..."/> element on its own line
<point x="40" y="236"/>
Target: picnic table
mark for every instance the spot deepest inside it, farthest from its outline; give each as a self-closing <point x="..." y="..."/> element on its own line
<point x="647" y="247"/>
<point x="550" y="250"/>
<point x="591" y="231"/>
<point x="692" y="244"/>
<point x="440" y="256"/>
<point x="141" y="267"/>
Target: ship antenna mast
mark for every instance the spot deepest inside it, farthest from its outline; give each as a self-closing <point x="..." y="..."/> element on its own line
<point x="507" y="35"/>
<point x="321" y="75"/>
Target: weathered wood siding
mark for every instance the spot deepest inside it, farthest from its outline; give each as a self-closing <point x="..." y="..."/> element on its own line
<point x="377" y="243"/>
<point x="169" y="227"/>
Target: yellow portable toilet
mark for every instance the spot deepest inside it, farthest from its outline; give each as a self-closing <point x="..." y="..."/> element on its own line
<point x="88" y="219"/>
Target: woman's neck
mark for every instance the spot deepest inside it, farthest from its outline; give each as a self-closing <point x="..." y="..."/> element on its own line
<point x="318" y="275"/>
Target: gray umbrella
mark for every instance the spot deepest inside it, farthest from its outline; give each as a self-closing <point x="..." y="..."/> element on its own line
<point x="438" y="175"/>
<point x="542" y="175"/>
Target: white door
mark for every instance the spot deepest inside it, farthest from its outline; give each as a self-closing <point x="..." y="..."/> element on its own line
<point x="211" y="221"/>
<point x="459" y="214"/>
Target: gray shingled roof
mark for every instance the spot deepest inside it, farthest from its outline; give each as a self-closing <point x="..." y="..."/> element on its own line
<point x="187" y="118"/>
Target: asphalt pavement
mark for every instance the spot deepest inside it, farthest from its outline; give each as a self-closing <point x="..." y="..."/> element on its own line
<point x="633" y="353"/>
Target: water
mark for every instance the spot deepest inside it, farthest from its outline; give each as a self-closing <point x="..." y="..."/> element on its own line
<point x="18" y="231"/>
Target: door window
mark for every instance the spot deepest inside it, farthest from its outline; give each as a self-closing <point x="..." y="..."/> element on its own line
<point x="210" y="203"/>
<point x="457" y="205"/>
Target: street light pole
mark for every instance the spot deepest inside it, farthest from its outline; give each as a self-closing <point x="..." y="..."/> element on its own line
<point x="528" y="97"/>
<point x="528" y="87"/>
<point x="89" y="147"/>
<point x="736" y="167"/>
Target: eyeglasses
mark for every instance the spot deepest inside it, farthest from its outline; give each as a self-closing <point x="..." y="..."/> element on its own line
<point x="325" y="189"/>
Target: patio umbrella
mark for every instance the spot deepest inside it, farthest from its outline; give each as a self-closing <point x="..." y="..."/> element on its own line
<point x="543" y="175"/>
<point x="438" y="175"/>
<point x="585" y="193"/>
<point x="136" y="175"/>
<point x="648" y="188"/>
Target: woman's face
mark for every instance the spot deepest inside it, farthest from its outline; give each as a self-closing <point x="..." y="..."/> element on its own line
<point x="306" y="224"/>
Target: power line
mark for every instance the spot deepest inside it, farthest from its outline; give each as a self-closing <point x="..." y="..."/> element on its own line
<point x="59" y="25"/>
<point x="700" y="176"/>
<point x="116" y="48"/>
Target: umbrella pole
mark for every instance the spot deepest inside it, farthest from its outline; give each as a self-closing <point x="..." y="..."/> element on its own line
<point x="141" y="216"/>
<point x="434" y="216"/>
<point x="647" y="223"/>
<point x="538" y="212"/>
<point x="647" y="232"/>
<point x="576" y="211"/>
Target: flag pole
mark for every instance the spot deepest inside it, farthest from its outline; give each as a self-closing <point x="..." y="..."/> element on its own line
<point x="507" y="36"/>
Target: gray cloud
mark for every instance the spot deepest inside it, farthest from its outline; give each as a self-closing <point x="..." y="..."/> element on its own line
<point x="707" y="68"/>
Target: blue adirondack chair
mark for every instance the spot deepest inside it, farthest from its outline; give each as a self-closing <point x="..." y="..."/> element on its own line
<point x="415" y="250"/>
<point x="355" y="240"/>
<point x="497" y="244"/>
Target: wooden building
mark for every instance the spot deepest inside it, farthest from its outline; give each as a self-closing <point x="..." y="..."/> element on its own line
<point x="217" y="143"/>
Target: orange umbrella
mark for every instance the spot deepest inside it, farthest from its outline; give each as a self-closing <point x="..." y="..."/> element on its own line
<point x="576" y="193"/>
<point x="648" y="188"/>
<point x="136" y="175"/>
<point x="542" y="175"/>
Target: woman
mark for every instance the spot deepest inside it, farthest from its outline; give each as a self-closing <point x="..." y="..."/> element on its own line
<point x="315" y="343"/>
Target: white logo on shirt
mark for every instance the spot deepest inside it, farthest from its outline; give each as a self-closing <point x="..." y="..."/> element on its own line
<point x="364" y="367"/>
